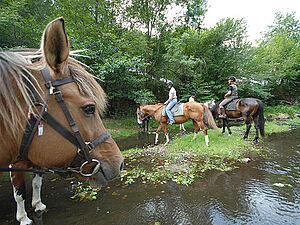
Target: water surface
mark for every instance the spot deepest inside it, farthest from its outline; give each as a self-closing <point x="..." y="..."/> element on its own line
<point x="263" y="192"/>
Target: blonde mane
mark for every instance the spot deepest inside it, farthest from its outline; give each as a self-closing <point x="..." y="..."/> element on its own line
<point x="15" y="67"/>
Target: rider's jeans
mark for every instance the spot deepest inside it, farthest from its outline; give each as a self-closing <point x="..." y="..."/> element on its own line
<point x="169" y="107"/>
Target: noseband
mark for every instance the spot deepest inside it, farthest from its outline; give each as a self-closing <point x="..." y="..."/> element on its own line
<point x="34" y="125"/>
<point x="141" y="113"/>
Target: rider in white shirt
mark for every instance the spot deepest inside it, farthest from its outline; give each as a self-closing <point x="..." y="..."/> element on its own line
<point x="192" y="98"/>
<point x="171" y="101"/>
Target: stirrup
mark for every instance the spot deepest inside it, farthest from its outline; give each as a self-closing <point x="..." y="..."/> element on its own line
<point x="222" y="116"/>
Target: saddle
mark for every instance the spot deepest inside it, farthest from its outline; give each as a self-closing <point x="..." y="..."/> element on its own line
<point x="231" y="106"/>
<point x="177" y="110"/>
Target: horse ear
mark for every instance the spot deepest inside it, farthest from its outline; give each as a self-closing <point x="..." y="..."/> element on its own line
<point x="55" y="44"/>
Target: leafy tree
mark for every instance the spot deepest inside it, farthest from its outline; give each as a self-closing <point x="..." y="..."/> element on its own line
<point x="278" y="57"/>
<point x="22" y="22"/>
<point x="201" y="61"/>
<point x="195" y="11"/>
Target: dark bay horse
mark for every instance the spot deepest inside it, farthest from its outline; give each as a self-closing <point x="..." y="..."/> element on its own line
<point x="50" y="121"/>
<point x="191" y="110"/>
<point x="248" y="108"/>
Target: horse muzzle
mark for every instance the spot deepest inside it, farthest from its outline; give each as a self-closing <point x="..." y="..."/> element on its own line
<point x="139" y="121"/>
<point x="104" y="174"/>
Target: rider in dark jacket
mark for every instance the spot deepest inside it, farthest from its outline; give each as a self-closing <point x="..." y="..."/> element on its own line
<point x="231" y="94"/>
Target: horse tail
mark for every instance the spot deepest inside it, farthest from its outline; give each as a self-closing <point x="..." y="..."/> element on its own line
<point x="261" y="118"/>
<point x="210" y="119"/>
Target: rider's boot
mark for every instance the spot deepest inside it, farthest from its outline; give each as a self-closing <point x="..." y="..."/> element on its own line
<point x="222" y="113"/>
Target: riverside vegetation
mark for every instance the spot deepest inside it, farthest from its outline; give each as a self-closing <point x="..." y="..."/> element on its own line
<point x="182" y="160"/>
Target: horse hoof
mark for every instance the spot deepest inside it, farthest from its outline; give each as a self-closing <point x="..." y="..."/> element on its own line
<point x="229" y="135"/>
<point x="40" y="207"/>
<point x="26" y="221"/>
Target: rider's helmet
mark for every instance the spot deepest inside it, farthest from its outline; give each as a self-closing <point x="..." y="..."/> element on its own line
<point x="193" y="93"/>
<point x="232" y="78"/>
<point x="169" y="83"/>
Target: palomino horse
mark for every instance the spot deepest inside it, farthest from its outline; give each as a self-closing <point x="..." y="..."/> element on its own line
<point x="191" y="110"/>
<point x="40" y="100"/>
<point x="248" y="108"/>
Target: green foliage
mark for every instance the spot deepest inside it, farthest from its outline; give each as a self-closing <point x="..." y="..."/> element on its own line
<point x="22" y="22"/>
<point x="291" y="110"/>
<point x="277" y="58"/>
<point x="202" y="61"/>
<point x="83" y="192"/>
<point x="145" y="95"/>
<point x="195" y="12"/>
<point x="132" y="46"/>
<point x="122" y="77"/>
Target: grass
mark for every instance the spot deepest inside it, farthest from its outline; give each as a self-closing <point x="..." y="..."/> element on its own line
<point x="121" y="128"/>
<point x="182" y="160"/>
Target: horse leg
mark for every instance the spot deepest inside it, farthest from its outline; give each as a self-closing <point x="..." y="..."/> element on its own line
<point x="157" y="132"/>
<point x="204" y="129"/>
<point x="19" y="190"/>
<point x="166" y="134"/>
<point x="147" y="125"/>
<point x="227" y="125"/>
<point x="196" y="127"/>
<point x="248" y="126"/>
<point x="223" y="131"/>
<point x="182" y="127"/>
<point x="256" y="124"/>
<point x="36" y="193"/>
<point x="143" y="126"/>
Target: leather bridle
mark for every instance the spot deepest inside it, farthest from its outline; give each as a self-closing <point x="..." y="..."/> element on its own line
<point x="141" y="113"/>
<point x="75" y="138"/>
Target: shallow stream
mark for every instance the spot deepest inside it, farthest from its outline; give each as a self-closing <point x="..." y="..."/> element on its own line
<point x="262" y="192"/>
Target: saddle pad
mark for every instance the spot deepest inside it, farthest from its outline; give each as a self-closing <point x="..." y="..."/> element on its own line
<point x="177" y="111"/>
<point x="231" y="105"/>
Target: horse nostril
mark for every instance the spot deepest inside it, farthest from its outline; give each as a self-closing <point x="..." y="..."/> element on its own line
<point x="122" y="165"/>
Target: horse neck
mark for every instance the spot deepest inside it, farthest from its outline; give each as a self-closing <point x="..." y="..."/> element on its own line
<point x="153" y="110"/>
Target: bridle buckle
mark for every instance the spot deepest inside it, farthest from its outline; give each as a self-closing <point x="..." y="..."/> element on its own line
<point x="95" y="169"/>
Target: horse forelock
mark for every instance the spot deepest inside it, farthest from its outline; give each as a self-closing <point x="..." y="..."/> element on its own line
<point x="87" y="84"/>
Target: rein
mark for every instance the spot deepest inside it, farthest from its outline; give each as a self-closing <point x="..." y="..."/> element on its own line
<point x="150" y="114"/>
<point x="34" y="125"/>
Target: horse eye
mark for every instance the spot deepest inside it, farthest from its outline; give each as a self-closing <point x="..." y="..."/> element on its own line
<point x="89" y="109"/>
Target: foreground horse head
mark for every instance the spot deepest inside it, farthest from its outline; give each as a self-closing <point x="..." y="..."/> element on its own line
<point x="54" y="93"/>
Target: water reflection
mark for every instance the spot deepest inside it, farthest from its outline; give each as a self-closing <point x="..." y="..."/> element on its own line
<point x="264" y="192"/>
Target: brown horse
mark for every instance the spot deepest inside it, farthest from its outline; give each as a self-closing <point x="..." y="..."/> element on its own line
<point x="191" y="110"/>
<point x="248" y="108"/>
<point x="42" y="94"/>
